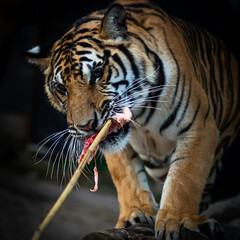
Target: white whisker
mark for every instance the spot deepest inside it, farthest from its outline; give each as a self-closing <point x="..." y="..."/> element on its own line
<point x="48" y="139"/>
<point x="138" y="82"/>
<point x="52" y="146"/>
<point x="147" y="107"/>
<point x="61" y="154"/>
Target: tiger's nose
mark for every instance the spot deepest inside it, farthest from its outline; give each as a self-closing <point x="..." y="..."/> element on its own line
<point x="91" y="124"/>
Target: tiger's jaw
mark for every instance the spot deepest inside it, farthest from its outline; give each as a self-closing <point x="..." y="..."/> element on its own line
<point x="117" y="140"/>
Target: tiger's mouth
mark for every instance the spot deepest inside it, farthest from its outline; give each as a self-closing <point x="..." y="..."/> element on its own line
<point x="116" y="137"/>
<point x="113" y="141"/>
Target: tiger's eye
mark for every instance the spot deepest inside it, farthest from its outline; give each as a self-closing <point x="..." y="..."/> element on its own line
<point x="96" y="74"/>
<point x="61" y="88"/>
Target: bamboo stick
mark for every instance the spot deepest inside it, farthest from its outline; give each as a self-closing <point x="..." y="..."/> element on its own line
<point x="58" y="204"/>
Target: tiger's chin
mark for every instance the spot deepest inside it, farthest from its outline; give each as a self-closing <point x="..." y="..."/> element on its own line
<point x="116" y="141"/>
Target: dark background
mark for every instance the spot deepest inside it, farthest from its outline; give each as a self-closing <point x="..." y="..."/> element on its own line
<point x="26" y="116"/>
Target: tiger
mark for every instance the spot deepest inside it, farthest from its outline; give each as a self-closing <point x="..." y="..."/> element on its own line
<point x="181" y="85"/>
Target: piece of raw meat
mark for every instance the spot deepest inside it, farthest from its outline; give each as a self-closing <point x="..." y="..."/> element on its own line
<point x="119" y="120"/>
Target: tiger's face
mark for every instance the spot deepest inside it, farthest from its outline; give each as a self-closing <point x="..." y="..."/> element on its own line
<point x="87" y="85"/>
<point x="93" y="72"/>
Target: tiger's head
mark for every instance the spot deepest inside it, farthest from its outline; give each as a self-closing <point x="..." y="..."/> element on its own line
<point x="95" y="70"/>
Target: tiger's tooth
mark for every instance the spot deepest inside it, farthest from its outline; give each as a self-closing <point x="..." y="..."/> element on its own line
<point x="115" y="130"/>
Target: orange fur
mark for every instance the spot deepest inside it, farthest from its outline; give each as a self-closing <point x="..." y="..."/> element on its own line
<point x="134" y="199"/>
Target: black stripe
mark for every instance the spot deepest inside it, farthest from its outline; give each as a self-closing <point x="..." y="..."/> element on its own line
<point x="107" y="54"/>
<point x="204" y="79"/>
<point x="213" y="83"/>
<point x="109" y="75"/>
<point x="208" y="49"/>
<point x="178" y="77"/>
<point x="105" y="103"/>
<point x="186" y="105"/>
<point x="81" y="31"/>
<point x="177" y="159"/>
<point x="205" y="118"/>
<point x="236" y="112"/>
<point x="152" y="165"/>
<point x="230" y="77"/>
<point x="99" y="42"/>
<point x="85" y="59"/>
<point x="59" y="61"/>
<point x="154" y="96"/>
<point x="178" y="69"/>
<point x="185" y="129"/>
<point x="57" y="70"/>
<point x="50" y="82"/>
<point x="85" y="45"/>
<point x="122" y="82"/>
<point x="56" y="95"/>
<point x="81" y="38"/>
<point x="105" y="107"/>
<point x="220" y="108"/>
<point x="118" y="60"/>
<point x="220" y="67"/>
<point x="151" y="111"/>
<point x="170" y="119"/>
<point x="95" y="123"/>
<point x="117" y="71"/>
<point x="80" y="70"/>
<point x="146" y="48"/>
<point x="202" y="50"/>
<point x="108" y="93"/>
<point x="67" y="37"/>
<point x="160" y="79"/>
<point x="158" y="65"/>
<point x="83" y="52"/>
<point x="129" y="56"/>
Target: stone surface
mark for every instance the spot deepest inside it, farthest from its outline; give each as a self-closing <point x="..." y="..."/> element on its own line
<point x="25" y="201"/>
<point x="140" y="232"/>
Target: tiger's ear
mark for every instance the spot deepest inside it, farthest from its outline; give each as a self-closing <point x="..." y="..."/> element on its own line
<point x="114" y="23"/>
<point x="39" y="55"/>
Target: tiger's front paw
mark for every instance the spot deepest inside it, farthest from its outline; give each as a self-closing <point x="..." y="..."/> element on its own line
<point x="135" y="215"/>
<point x="168" y="225"/>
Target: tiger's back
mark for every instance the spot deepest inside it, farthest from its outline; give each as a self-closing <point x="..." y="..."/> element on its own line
<point x="218" y="72"/>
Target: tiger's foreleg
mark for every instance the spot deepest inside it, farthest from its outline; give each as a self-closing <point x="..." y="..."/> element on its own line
<point x="182" y="191"/>
<point x="136" y="202"/>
